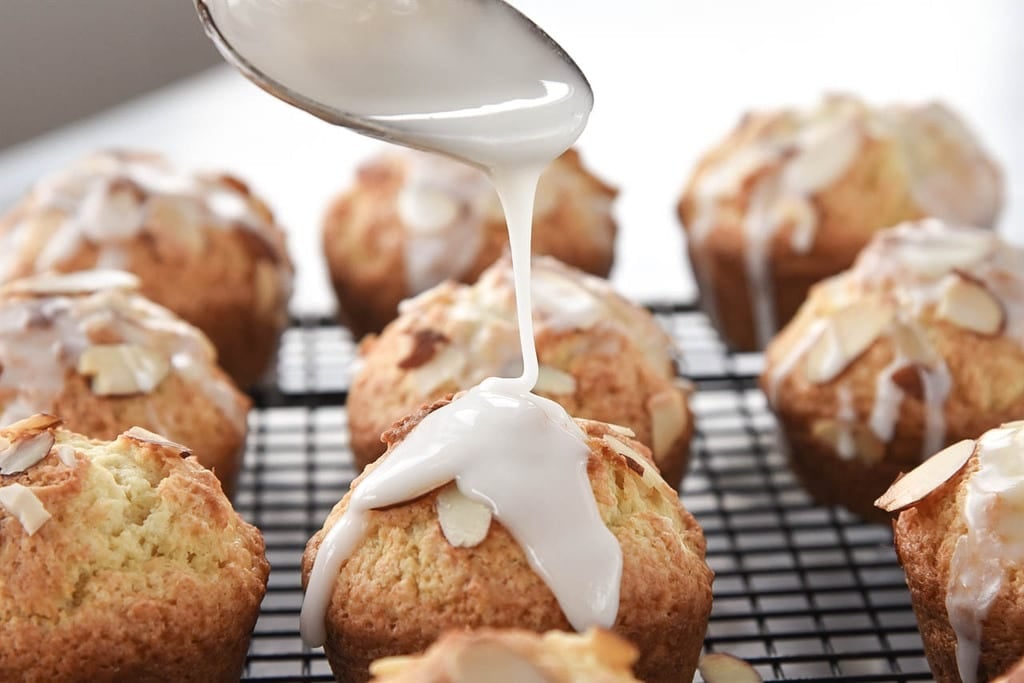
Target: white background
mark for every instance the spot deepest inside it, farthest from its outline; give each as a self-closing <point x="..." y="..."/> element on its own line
<point x="670" y="77"/>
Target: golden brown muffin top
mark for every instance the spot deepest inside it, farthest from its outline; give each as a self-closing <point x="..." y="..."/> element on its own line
<point x="969" y="498"/>
<point x="110" y="199"/>
<point x="642" y="512"/>
<point x="94" y="324"/>
<point x="515" y="656"/>
<point x="919" y="304"/>
<point x="88" y="523"/>
<point x="769" y="169"/>
<point x="465" y="333"/>
<point x="444" y="207"/>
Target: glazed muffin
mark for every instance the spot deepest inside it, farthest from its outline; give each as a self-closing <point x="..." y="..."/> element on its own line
<point x="413" y="220"/>
<point x="426" y="566"/>
<point x="917" y="346"/>
<point x="960" y="540"/>
<point x="202" y="245"/>
<point x="790" y="197"/>
<point x="120" y="561"/>
<point x="88" y="347"/>
<point x="513" y="656"/>
<point x="601" y="358"/>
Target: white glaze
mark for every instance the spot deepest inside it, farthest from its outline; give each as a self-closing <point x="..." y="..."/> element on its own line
<point x="508" y="106"/>
<point x="791" y="156"/>
<point x="993" y="506"/>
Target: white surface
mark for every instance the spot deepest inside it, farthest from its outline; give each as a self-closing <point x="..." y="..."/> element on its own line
<point x="720" y="57"/>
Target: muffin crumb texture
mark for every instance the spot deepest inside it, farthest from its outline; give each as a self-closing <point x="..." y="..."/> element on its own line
<point x="120" y="560"/>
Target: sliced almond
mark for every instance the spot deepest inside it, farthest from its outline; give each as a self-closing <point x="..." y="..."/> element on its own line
<point x="114" y="215"/>
<point x="926" y="477"/>
<point x="849" y="333"/>
<point x="141" y="435"/>
<point x="912" y="344"/>
<point x="24" y="453"/>
<point x="34" y="423"/>
<point x="851" y="441"/>
<point x="970" y="305"/>
<point x="494" y="663"/>
<point x="464" y="521"/>
<point x="21" y="502"/>
<point x="81" y="282"/>
<point x="176" y="219"/>
<point x="123" y="369"/>
<point x="555" y="382"/>
<point x="668" y="420"/>
<point x="446" y="366"/>
<point x="66" y="454"/>
<point x="391" y="666"/>
<point x="718" y="667"/>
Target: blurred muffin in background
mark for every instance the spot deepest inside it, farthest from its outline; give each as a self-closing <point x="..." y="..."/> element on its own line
<point x="790" y="197"/>
<point x="202" y="245"/>
<point x="919" y="345"/>
<point x="513" y="656"/>
<point x="86" y="346"/>
<point x="601" y="357"/>
<point x="413" y="220"/>
<point x="120" y="561"/>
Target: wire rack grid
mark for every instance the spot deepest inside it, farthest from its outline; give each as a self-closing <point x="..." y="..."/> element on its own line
<point x="801" y="592"/>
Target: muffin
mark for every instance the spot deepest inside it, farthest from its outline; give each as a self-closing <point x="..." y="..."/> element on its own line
<point x="790" y="197"/>
<point x="960" y="540"/>
<point x="514" y="656"/>
<point x="120" y="561"/>
<point x="413" y="220"/>
<point x="88" y="347"/>
<point x="426" y="566"/>
<point x="201" y="244"/>
<point x="918" y="346"/>
<point x="601" y="358"/>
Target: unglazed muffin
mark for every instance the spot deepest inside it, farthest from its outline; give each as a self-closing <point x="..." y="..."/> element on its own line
<point x="202" y="245"/>
<point x="917" y="346"/>
<point x="120" y="561"/>
<point x="601" y="357"/>
<point x="421" y="569"/>
<point x="791" y="196"/>
<point x="960" y="540"/>
<point x="514" y="656"/>
<point x="413" y="220"/>
<point x="88" y="347"/>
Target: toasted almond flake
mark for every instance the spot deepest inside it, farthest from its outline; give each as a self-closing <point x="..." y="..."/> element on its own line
<point x="912" y="344"/>
<point x="81" y="282"/>
<point x="464" y="521"/>
<point x="177" y="219"/>
<point x="718" y="667"/>
<point x="625" y="431"/>
<point x="25" y="452"/>
<point x="668" y="420"/>
<point x="33" y="423"/>
<point x="849" y="334"/>
<point x="391" y="666"/>
<point x="494" y="663"/>
<point x="66" y="454"/>
<point x="926" y="477"/>
<point x="553" y="381"/>
<point x="22" y="502"/>
<point x="123" y="369"/>
<point x="443" y="368"/>
<point x="970" y="305"/>
<point x="145" y="436"/>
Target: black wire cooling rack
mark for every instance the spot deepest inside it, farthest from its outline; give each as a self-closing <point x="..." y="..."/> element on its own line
<point x="801" y="592"/>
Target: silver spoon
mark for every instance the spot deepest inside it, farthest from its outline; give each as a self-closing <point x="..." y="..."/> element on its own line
<point x="362" y="124"/>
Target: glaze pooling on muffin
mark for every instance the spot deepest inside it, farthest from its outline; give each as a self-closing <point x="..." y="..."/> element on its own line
<point x="93" y="323"/>
<point x="110" y="198"/>
<point x="905" y="275"/>
<point x="994" y="541"/>
<point x="785" y="158"/>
